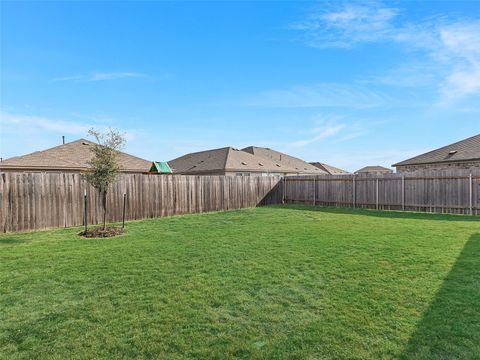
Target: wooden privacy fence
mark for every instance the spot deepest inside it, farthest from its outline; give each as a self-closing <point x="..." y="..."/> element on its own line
<point x="32" y="201"/>
<point x="444" y="192"/>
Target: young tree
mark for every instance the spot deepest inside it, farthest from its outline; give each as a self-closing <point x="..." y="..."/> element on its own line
<point x="104" y="163"/>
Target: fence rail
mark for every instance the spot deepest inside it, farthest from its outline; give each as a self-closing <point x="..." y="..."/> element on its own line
<point x="33" y="201"/>
<point x="442" y="192"/>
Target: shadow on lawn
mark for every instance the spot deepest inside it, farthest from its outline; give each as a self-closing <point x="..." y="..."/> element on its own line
<point x="450" y="328"/>
<point x="10" y="240"/>
<point x="382" y="213"/>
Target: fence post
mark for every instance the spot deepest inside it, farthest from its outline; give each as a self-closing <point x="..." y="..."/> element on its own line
<point x="314" y="191"/>
<point x="376" y="191"/>
<point x="471" y="193"/>
<point x="354" y="192"/>
<point x="123" y="214"/>
<point x="403" y="192"/>
<point x="284" y="187"/>
<point x="85" y="209"/>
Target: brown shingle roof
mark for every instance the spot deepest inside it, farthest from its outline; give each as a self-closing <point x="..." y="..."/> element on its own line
<point x="71" y="156"/>
<point x="231" y="159"/>
<point x="464" y="150"/>
<point x="374" y="169"/>
<point x="332" y="170"/>
<point x="295" y="165"/>
<point x="220" y="160"/>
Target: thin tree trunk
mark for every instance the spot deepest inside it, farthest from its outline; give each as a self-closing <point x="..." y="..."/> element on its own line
<point x="104" y="210"/>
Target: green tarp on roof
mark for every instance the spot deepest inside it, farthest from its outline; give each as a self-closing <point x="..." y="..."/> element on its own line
<point x="160" y="167"/>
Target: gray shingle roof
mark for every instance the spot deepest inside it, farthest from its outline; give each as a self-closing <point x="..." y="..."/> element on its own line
<point x="70" y="156"/>
<point x="293" y="164"/>
<point x="332" y="170"/>
<point x="218" y="160"/>
<point x="231" y="159"/>
<point x="374" y="169"/>
<point x="467" y="149"/>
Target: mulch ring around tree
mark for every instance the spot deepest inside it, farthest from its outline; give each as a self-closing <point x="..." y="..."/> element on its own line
<point x="99" y="232"/>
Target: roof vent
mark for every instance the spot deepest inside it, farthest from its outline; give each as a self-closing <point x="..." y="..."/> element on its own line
<point x="244" y="163"/>
<point x="278" y="165"/>
<point x="452" y="152"/>
<point x="261" y="164"/>
<point x="85" y="143"/>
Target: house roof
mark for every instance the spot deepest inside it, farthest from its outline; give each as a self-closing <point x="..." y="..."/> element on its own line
<point x="464" y="150"/>
<point x="332" y="170"/>
<point x="295" y="165"/>
<point x="223" y="159"/>
<point x="71" y="156"/>
<point x="228" y="159"/>
<point x="374" y="169"/>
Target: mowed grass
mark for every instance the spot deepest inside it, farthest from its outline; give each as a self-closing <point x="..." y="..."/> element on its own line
<point x="265" y="283"/>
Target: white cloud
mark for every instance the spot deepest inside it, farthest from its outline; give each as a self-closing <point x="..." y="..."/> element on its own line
<point x="449" y="48"/>
<point x="348" y="24"/>
<point x="320" y="95"/>
<point x="353" y="135"/>
<point x="100" y="76"/>
<point x="318" y="134"/>
<point x="413" y="74"/>
<point x="353" y="161"/>
<point x="36" y="128"/>
<point x="462" y="43"/>
<point x="467" y="109"/>
<point x="462" y="83"/>
<point x="43" y="123"/>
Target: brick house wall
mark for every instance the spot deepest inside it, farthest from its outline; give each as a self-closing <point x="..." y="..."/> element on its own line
<point x="464" y="165"/>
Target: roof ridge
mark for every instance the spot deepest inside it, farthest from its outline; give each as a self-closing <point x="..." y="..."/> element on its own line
<point x="49" y="149"/>
<point x="226" y="157"/>
<point x="70" y="155"/>
<point x="208" y="150"/>
<point x="430" y="152"/>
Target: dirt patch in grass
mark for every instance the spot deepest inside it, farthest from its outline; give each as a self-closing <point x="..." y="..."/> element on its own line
<point x="101" y="232"/>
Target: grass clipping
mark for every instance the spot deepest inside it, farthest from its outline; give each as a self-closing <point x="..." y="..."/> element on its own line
<point x="100" y="232"/>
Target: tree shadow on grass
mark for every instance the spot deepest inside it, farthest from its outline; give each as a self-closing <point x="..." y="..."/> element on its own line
<point x="390" y="214"/>
<point x="450" y="328"/>
<point x="11" y="240"/>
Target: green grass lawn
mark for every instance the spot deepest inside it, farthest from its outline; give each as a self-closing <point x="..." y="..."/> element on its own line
<point x="265" y="283"/>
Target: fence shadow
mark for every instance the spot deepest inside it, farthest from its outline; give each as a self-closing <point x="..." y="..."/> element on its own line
<point x="450" y="328"/>
<point x="10" y="241"/>
<point x="393" y="214"/>
<point x="273" y="197"/>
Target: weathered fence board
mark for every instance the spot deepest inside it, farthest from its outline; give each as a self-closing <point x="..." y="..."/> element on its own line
<point x="456" y="192"/>
<point x="32" y="201"/>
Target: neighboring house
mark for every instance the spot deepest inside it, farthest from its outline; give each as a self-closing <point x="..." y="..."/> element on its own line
<point x="70" y="157"/>
<point x="235" y="162"/>
<point x="462" y="155"/>
<point x="293" y="165"/>
<point x="331" y="170"/>
<point x="376" y="169"/>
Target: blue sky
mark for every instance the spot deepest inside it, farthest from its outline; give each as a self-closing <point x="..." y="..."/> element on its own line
<point x="346" y="83"/>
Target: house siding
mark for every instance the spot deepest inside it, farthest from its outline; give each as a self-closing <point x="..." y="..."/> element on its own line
<point x="463" y="165"/>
